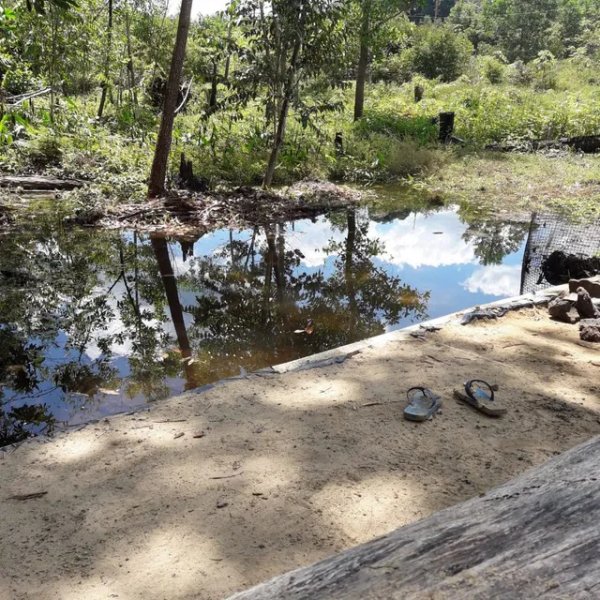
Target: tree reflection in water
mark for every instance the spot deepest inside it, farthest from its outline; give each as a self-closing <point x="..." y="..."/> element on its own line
<point x="254" y="294"/>
<point x="93" y="323"/>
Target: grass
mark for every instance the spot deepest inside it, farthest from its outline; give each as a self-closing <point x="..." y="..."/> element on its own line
<point x="567" y="183"/>
<point x="396" y="140"/>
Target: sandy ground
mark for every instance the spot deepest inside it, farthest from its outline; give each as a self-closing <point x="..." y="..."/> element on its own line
<point x="289" y="469"/>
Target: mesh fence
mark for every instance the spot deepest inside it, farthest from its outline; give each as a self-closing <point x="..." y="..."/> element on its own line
<point x="548" y="235"/>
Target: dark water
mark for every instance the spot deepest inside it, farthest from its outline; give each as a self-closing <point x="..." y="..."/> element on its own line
<point x="94" y="323"/>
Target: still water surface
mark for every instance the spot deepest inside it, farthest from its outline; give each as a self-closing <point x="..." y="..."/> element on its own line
<point x="94" y="323"/>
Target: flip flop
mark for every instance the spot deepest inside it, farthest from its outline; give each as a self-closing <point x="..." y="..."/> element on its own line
<point x="422" y="404"/>
<point x="480" y="395"/>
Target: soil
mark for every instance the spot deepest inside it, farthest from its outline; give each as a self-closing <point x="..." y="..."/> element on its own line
<point x="212" y="492"/>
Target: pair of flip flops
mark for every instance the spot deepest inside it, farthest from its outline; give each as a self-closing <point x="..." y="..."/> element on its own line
<point x="423" y="403"/>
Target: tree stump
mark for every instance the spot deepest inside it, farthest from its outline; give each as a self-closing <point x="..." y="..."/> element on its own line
<point x="446" y="120"/>
<point x="419" y="92"/>
<point x="187" y="177"/>
<point x="339" y="143"/>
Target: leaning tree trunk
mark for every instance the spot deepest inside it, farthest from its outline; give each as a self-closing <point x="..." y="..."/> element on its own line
<point x="158" y="173"/>
<point x="363" y="64"/>
<point x="106" y="74"/>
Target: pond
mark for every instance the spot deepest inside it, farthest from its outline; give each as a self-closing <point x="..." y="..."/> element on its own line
<point x="94" y="323"/>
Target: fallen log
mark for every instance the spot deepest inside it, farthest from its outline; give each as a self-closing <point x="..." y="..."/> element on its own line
<point x="584" y="143"/>
<point x="35" y="183"/>
<point x="20" y="98"/>
<point x="587" y="144"/>
<point x="537" y="536"/>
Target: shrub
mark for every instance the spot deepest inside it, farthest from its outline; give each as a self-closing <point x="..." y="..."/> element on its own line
<point x="439" y="52"/>
<point x="420" y="128"/>
<point x="493" y="69"/>
<point x="44" y="152"/>
<point x="392" y="69"/>
<point x="407" y="158"/>
<point x="520" y="73"/>
<point x="545" y="71"/>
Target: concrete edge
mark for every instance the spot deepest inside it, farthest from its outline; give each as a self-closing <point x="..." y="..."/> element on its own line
<point x="343" y="352"/>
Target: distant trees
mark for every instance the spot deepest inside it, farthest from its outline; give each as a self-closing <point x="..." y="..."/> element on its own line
<point x="521" y="29"/>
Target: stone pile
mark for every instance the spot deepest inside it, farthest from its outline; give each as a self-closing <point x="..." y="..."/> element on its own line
<point x="581" y="304"/>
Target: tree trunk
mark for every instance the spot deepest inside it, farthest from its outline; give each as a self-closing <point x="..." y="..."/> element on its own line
<point x="363" y="63"/>
<point x="284" y="110"/>
<point x="349" y="265"/>
<point x="158" y="173"/>
<point x="228" y="50"/>
<point x="130" y="67"/>
<point x="212" y="98"/>
<point x="109" y="31"/>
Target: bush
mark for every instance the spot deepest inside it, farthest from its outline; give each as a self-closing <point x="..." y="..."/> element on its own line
<point x="407" y="159"/>
<point x="45" y="152"/>
<point x="19" y="80"/>
<point x="420" y="128"/>
<point x="439" y="52"/>
<point x="545" y="71"/>
<point x="520" y="73"/>
<point x="493" y="69"/>
<point x="392" y="69"/>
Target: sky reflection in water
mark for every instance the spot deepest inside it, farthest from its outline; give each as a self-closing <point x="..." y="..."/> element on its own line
<point x="94" y="323"/>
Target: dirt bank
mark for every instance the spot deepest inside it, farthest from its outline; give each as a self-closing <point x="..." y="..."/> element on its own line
<point x="210" y="493"/>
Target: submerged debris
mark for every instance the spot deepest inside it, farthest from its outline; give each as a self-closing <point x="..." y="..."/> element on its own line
<point x="204" y="211"/>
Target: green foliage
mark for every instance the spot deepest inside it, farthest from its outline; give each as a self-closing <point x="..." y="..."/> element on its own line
<point x="44" y="152"/>
<point x="243" y="61"/>
<point x="438" y="52"/>
<point x="434" y="51"/>
<point x="419" y="128"/>
<point x="545" y="72"/>
<point x="493" y="69"/>
<point x="524" y="28"/>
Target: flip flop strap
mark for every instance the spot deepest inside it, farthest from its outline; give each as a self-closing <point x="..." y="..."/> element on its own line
<point x="469" y="390"/>
<point x="426" y="392"/>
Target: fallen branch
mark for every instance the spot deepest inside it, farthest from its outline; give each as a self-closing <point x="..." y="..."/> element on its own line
<point x="39" y="183"/>
<point x="185" y="98"/>
<point x="20" y="98"/>
<point x="23" y="497"/>
<point x="226" y="476"/>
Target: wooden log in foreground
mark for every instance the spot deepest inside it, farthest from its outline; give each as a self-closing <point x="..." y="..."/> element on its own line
<point x="39" y="183"/>
<point x="537" y="536"/>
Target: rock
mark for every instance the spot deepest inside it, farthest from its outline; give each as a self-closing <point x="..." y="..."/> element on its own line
<point x="563" y="310"/>
<point x="559" y="267"/>
<point x="589" y="330"/>
<point x="478" y="313"/>
<point x="584" y="305"/>
<point x="593" y="287"/>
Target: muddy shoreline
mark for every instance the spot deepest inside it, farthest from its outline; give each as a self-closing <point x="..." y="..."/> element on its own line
<point x="192" y="213"/>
